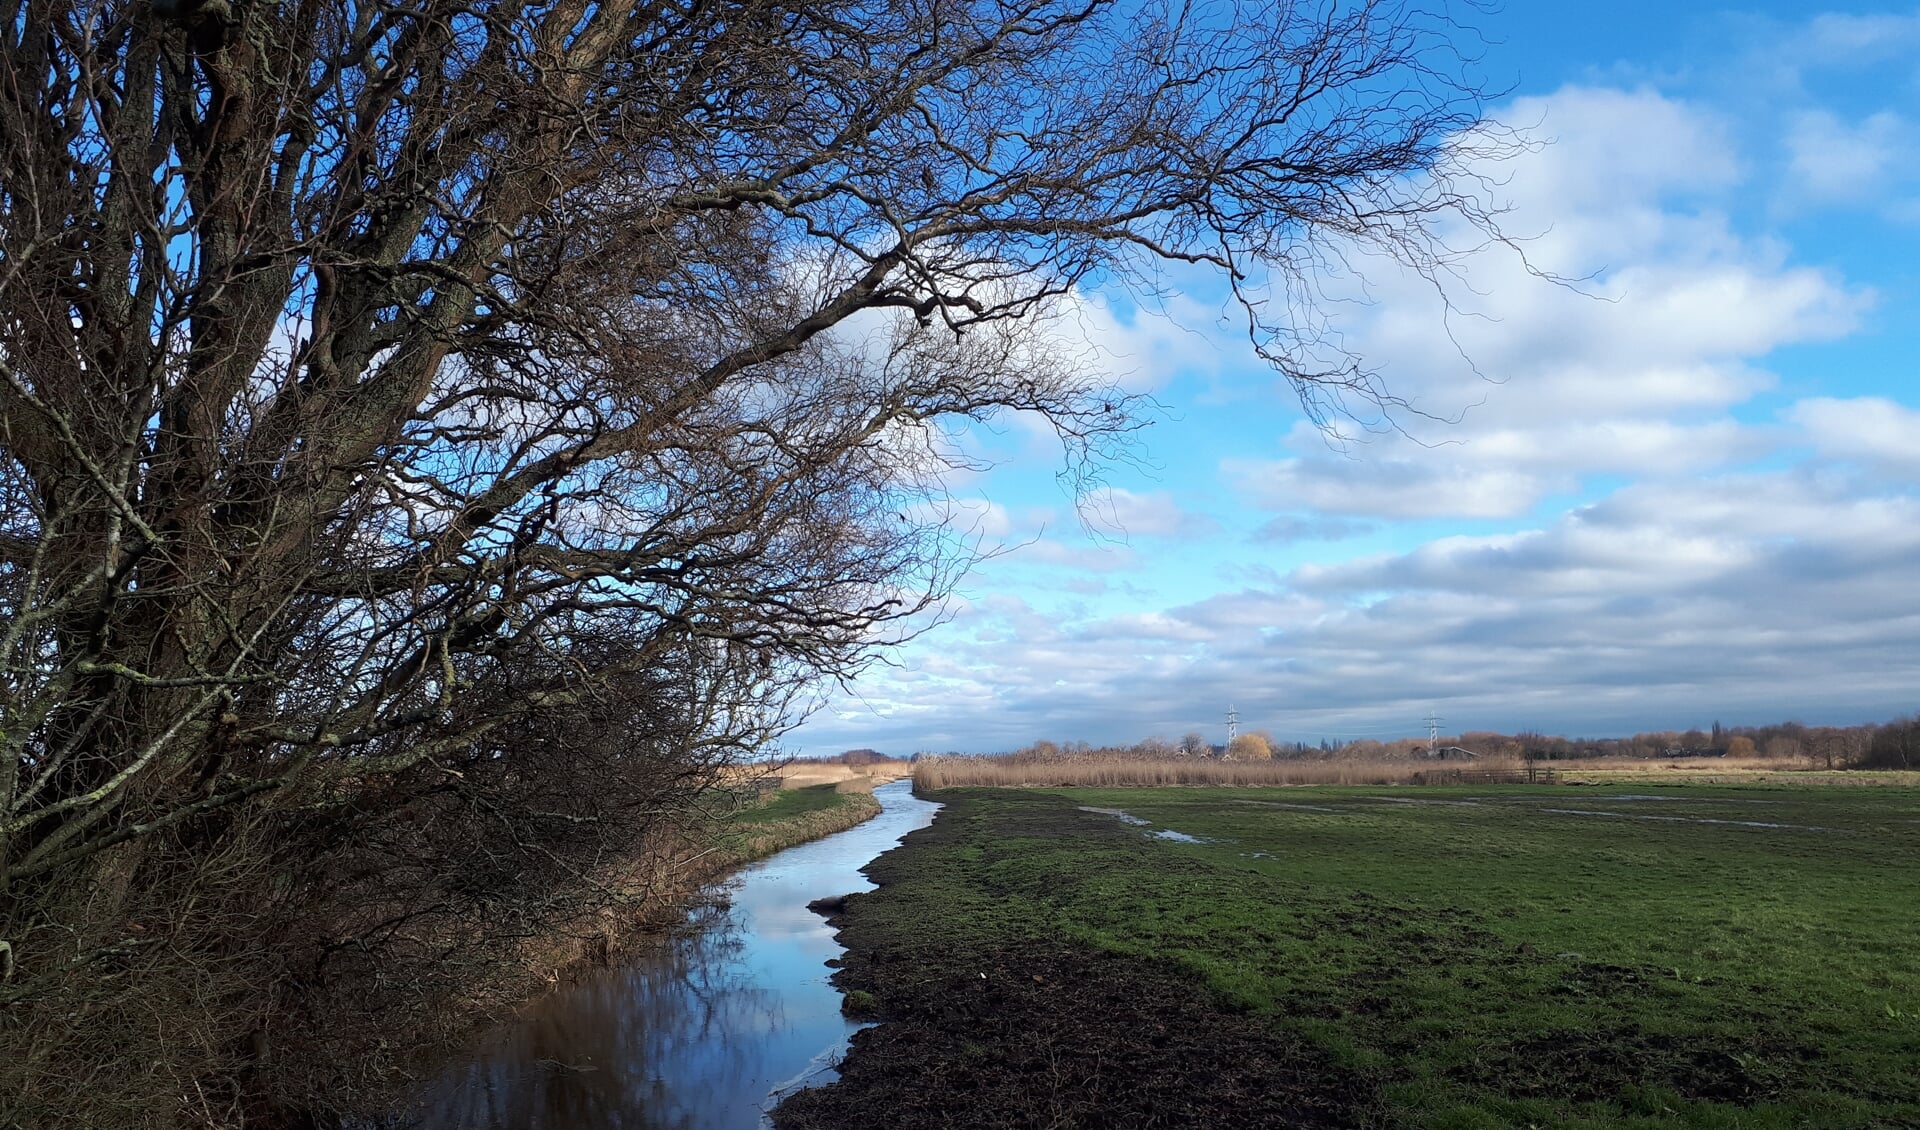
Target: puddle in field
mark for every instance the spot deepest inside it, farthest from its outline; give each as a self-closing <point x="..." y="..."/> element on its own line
<point x="1684" y="819"/>
<point x="1284" y="804"/>
<point x="1163" y="834"/>
<point x="1419" y="800"/>
<point x="1697" y="800"/>
<point x="1117" y="814"/>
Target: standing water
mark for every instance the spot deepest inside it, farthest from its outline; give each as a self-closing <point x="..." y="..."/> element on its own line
<point x="707" y="1033"/>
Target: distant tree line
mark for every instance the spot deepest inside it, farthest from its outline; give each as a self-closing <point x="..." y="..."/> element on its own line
<point x="1888" y="745"/>
<point x="855" y="757"/>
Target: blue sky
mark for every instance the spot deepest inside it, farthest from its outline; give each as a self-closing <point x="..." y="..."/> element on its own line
<point x="1686" y="491"/>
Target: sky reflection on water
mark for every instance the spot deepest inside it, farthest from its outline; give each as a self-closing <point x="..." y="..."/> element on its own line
<point x="699" y="1035"/>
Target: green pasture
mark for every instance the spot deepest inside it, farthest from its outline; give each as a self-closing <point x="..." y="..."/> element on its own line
<point x="785" y="804"/>
<point x="1488" y="957"/>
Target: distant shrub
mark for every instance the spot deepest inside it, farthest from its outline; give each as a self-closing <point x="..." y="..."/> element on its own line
<point x="1250" y="747"/>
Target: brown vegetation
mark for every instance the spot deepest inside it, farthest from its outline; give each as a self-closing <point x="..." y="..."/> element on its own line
<point x="1256" y="758"/>
<point x="1250" y="747"/>
<point x="1129" y="772"/>
<point x="800" y="774"/>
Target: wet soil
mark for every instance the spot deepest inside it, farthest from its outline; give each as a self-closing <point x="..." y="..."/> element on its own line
<point x="1039" y="1034"/>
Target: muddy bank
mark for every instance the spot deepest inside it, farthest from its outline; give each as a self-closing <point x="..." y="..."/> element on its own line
<point x="985" y="1029"/>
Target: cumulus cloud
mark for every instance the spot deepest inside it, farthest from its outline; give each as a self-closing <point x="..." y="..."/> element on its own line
<point x="1288" y="529"/>
<point x="1520" y="389"/>
<point x="1385" y="487"/>
<point x="1609" y="148"/>
<point x="1868" y="429"/>
<point x="1142" y="347"/>
<point x="1850" y="39"/>
<point x="1074" y="555"/>
<point x="1833" y="161"/>
<point x="1153" y="514"/>
<point x="978" y="516"/>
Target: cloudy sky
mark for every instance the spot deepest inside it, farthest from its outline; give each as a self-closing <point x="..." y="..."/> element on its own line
<point x="1687" y="490"/>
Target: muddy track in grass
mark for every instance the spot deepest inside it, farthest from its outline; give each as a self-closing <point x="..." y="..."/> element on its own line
<point x="980" y="1029"/>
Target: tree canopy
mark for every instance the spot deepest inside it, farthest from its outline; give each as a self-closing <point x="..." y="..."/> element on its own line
<point x="437" y="434"/>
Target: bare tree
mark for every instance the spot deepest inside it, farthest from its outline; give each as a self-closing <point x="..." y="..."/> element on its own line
<point x="1154" y="746"/>
<point x="437" y="435"/>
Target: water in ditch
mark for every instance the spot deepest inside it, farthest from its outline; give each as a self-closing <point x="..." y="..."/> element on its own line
<point x="705" y="1034"/>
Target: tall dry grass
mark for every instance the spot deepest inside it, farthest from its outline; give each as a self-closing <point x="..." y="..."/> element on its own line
<point x="801" y="774"/>
<point x="1725" y="771"/>
<point x="951" y="772"/>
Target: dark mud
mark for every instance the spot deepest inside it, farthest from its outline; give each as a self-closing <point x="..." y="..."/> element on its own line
<point x="1050" y="1035"/>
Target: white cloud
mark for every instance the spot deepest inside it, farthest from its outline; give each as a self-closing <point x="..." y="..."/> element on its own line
<point x="1783" y="59"/>
<point x="1153" y="514"/>
<point x="1844" y="38"/>
<point x="979" y="517"/>
<point x="1385" y="488"/>
<point x="1868" y="429"/>
<point x="1609" y="148"/>
<point x="1528" y="388"/>
<point x="1141" y="347"/>
<point x="1074" y="555"/>
<point x="1833" y="161"/>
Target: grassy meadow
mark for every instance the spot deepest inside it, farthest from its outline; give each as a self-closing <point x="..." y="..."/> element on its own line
<point x="780" y="819"/>
<point x="1613" y="956"/>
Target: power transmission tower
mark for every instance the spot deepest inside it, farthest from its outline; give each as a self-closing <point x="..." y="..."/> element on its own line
<point x="1233" y="725"/>
<point x="1433" y="733"/>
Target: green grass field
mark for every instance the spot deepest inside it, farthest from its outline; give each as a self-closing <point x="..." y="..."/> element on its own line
<point x="1493" y="957"/>
<point x="786" y="818"/>
<point x="786" y="804"/>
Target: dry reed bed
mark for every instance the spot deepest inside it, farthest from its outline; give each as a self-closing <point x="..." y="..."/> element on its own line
<point x="1725" y="771"/>
<point x="800" y="774"/>
<point x="950" y="772"/>
<point x="1024" y="772"/>
<point x="1688" y="765"/>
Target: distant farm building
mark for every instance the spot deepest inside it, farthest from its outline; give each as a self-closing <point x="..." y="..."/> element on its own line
<point x="1453" y="753"/>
